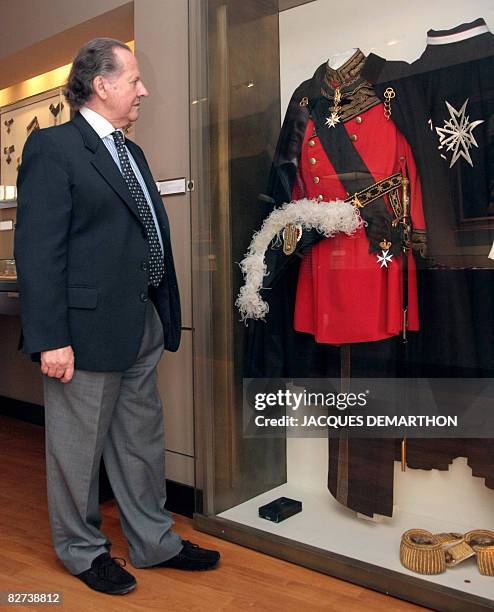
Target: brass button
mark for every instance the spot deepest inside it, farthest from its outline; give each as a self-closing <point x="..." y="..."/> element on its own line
<point x="312" y="143"/>
<point x="358" y="119"/>
<point x="312" y="161"/>
<point x="354" y="137"/>
<point x="316" y="180"/>
<point x="320" y="198"/>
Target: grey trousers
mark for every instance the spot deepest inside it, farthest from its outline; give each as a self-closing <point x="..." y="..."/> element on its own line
<point x="117" y="415"/>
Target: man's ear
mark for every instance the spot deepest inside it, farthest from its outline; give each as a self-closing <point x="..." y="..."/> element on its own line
<point x="100" y="87"/>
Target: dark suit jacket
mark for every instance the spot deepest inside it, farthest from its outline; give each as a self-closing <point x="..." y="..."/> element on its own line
<point x="82" y="253"/>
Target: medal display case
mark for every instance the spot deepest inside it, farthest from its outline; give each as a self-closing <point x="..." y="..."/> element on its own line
<point x="17" y="121"/>
<point x="308" y="118"/>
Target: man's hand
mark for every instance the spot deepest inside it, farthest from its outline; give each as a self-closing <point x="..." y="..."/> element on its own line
<point x="58" y="363"/>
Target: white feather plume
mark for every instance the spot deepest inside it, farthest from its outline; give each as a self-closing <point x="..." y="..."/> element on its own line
<point x="328" y="218"/>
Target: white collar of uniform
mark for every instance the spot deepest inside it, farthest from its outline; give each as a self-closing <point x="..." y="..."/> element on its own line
<point x="463" y="33"/>
<point x="100" y="125"/>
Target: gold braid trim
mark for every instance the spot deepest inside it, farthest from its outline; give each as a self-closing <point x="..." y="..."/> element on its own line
<point x="449" y="538"/>
<point x="347" y="73"/>
<point x="375" y="191"/>
<point x="353" y="95"/>
<point x="457" y="553"/>
<point x="356" y="102"/>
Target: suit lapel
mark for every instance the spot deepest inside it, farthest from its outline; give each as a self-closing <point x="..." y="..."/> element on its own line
<point x="104" y="164"/>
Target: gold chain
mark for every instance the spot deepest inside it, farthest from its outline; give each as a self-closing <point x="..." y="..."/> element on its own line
<point x="389" y="94"/>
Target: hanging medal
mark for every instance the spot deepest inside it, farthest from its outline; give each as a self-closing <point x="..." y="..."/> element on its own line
<point x="334" y="117"/>
<point x="385" y="258"/>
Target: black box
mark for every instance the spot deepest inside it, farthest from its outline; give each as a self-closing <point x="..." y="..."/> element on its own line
<point x="280" y="509"/>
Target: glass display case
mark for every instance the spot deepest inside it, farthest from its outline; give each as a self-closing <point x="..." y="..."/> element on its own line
<point x="343" y="157"/>
<point x="18" y="119"/>
<point x="8" y="273"/>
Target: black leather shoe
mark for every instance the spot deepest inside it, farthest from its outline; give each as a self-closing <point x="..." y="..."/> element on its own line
<point x="106" y="575"/>
<point x="193" y="558"/>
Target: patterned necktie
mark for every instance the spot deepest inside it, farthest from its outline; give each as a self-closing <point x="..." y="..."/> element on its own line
<point x="156" y="262"/>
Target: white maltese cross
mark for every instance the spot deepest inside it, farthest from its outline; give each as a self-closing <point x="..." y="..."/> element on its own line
<point x="384" y="259"/>
<point x="332" y="120"/>
<point x="456" y="135"/>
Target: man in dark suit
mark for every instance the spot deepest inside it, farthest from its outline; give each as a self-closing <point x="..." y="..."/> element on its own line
<point x="99" y="303"/>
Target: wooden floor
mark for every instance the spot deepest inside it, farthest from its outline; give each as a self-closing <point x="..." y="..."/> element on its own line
<point x="244" y="580"/>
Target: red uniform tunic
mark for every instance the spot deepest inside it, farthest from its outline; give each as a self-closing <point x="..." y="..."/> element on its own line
<point x="343" y="294"/>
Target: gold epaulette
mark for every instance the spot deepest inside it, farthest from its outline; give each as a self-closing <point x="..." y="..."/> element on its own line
<point x="422" y="552"/>
<point x="482" y="542"/>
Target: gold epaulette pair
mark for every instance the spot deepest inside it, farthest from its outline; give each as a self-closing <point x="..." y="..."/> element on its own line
<point x="426" y="553"/>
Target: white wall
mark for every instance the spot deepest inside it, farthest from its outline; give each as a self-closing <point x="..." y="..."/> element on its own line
<point x="313" y="32"/>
